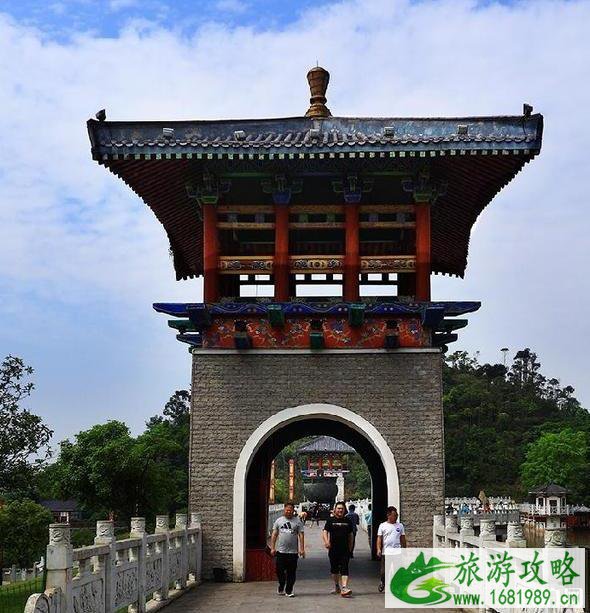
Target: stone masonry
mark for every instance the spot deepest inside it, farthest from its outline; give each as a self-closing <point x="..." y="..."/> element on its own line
<point x="400" y="393"/>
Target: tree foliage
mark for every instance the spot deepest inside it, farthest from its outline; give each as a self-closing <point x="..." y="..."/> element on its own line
<point x="23" y="532"/>
<point x="558" y="457"/>
<point x="23" y="434"/>
<point x="492" y="415"/>
<point x="110" y="472"/>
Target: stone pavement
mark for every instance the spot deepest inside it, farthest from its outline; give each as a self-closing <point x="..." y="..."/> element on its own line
<point x="312" y="587"/>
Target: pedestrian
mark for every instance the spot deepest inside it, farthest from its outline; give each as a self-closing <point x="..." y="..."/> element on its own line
<point x="369" y="524"/>
<point x="355" y="520"/>
<point x="337" y="537"/>
<point x="287" y="543"/>
<point x="391" y="537"/>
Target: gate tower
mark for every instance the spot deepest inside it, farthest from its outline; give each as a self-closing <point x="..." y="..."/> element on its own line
<point x="316" y="237"/>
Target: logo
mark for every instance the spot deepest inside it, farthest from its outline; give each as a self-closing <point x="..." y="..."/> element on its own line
<point x="486" y="578"/>
<point x="421" y="573"/>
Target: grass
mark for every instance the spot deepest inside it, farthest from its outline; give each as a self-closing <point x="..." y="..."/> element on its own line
<point x="13" y="596"/>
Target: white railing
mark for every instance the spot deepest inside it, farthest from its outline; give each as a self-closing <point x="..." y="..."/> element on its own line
<point x="111" y="574"/>
<point x="362" y="508"/>
<point x="14" y="574"/>
<point x="274" y="512"/>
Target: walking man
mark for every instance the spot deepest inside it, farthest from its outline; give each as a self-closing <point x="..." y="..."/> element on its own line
<point x="287" y="543"/>
<point x="391" y="537"/>
<point x="355" y="520"/>
<point x="338" y="540"/>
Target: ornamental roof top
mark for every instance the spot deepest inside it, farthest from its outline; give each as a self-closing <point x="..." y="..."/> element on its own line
<point x="304" y="137"/>
<point x="325" y="444"/>
<point x="469" y="158"/>
<point x="549" y="489"/>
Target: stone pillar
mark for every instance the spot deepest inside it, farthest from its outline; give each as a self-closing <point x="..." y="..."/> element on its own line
<point x="487" y="531"/>
<point x="555" y="534"/>
<point x="105" y="535"/>
<point x="340" y="485"/>
<point x="196" y="523"/>
<point x="515" y="535"/>
<point x="181" y="524"/>
<point x="138" y="531"/>
<point x="438" y="525"/>
<point x="163" y="527"/>
<point x="466" y="522"/>
<point x="59" y="562"/>
<point x="13" y="573"/>
<point x="451" y="529"/>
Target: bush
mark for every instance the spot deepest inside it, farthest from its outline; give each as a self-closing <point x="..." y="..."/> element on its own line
<point x="24" y="532"/>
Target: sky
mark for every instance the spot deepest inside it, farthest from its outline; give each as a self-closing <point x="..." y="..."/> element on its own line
<point x="82" y="258"/>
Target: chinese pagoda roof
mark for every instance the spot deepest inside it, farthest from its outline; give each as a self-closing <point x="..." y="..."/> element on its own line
<point x="549" y="489"/>
<point x="474" y="157"/>
<point x="325" y="444"/>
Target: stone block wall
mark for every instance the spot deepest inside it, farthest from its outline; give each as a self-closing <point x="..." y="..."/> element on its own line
<point x="400" y="393"/>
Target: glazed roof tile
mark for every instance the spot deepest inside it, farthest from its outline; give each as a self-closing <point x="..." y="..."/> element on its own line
<point x="314" y="136"/>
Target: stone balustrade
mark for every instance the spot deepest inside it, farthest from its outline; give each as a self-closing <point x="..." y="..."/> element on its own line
<point x="141" y="572"/>
<point x="446" y="533"/>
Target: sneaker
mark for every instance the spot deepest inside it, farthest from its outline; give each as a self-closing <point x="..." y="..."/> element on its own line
<point x="381" y="586"/>
<point x="281" y="591"/>
<point x="291" y="595"/>
<point x="336" y="590"/>
<point x="346" y="592"/>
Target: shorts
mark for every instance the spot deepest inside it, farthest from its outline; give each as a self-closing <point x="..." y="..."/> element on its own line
<point x="339" y="562"/>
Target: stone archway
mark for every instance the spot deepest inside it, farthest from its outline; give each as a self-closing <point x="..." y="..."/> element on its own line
<point x="281" y="420"/>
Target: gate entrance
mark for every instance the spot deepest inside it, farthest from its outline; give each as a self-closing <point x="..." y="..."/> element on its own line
<point x="337" y="422"/>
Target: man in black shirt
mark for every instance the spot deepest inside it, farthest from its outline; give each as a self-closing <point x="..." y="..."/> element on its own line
<point x="338" y="540"/>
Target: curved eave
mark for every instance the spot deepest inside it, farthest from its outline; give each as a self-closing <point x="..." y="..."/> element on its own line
<point x="476" y="165"/>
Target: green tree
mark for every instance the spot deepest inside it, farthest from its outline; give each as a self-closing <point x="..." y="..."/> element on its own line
<point x="492" y="414"/>
<point x="22" y="434"/>
<point x="23" y="532"/>
<point x="111" y="473"/>
<point x="559" y="457"/>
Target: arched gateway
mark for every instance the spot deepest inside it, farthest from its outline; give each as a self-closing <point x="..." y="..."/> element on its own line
<point x="316" y="237"/>
<point x="285" y="427"/>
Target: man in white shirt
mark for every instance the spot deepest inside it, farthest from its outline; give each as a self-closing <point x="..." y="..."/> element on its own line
<point x="391" y="537"/>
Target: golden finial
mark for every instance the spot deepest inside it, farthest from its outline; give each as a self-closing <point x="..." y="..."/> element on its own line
<point x="318" y="80"/>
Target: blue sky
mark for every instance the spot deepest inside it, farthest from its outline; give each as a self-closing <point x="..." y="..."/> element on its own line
<point x="82" y="259"/>
<point x="61" y="19"/>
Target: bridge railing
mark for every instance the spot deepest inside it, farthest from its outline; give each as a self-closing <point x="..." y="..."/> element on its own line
<point x="137" y="573"/>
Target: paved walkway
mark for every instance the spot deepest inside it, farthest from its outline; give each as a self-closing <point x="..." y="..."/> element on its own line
<point x="312" y="587"/>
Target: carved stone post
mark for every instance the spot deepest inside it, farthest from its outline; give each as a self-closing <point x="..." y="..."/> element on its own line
<point x="105" y="535"/>
<point x="466" y="527"/>
<point x="487" y="532"/>
<point x="515" y="535"/>
<point x="59" y="562"/>
<point x="451" y="529"/>
<point x="555" y="534"/>
<point x="181" y="523"/>
<point x="437" y="526"/>
<point x="138" y="531"/>
<point x="196" y="523"/>
<point x="163" y="527"/>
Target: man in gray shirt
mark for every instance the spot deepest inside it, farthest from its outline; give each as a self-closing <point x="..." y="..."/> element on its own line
<point x="287" y="543"/>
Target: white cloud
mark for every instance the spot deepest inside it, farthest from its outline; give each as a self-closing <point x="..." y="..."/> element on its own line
<point x="73" y="235"/>
<point x="232" y="6"/>
<point x="119" y="5"/>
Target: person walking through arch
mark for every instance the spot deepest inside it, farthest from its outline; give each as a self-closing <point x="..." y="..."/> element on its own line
<point x="338" y="540"/>
<point x="355" y="520"/>
<point x="287" y="543"/>
<point x="391" y="537"/>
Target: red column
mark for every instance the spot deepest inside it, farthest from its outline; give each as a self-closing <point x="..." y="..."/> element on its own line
<point x="291" y="479"/>
<point x="281" y="259"/>
<point x="352" y="262"/>
<point x="210" y="254"/>
<point x="422" y="251"/>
